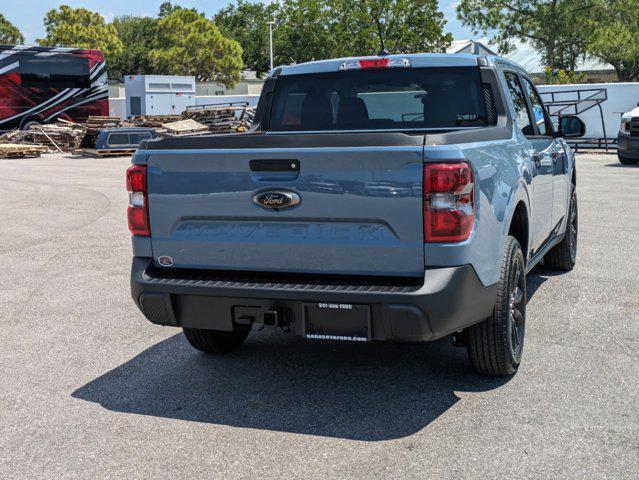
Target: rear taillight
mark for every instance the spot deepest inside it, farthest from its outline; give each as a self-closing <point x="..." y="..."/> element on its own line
<point x="138" y="211"/>
<point x="449" y="209"/>
<point x="625" y="126"/>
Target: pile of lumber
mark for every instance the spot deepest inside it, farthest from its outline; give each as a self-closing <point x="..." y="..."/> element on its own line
<point x="150" y="121"/>
<point x="249" y="115"/>
<point x="99" y="123"/>
<point x="60" y="137"/>
<point x="214" y="118"/>
<point x="53" y="138"/>
<point x="183" y="128"/>
<point x="12" y="136"/>
<point x="65" y="136"/>
<point x="17" y="150"/>
<point x="222" y="118"/>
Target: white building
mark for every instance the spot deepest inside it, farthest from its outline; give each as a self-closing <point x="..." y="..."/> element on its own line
<point x="528" y="57"/>
<point x="248" y="85"/>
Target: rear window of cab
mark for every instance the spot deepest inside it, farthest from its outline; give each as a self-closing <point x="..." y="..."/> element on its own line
<point x="384" y="99"/>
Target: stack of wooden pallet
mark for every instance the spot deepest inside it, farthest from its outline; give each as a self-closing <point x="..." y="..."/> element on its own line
<point x="99" y="123"/>
<point x="12" y="136"/>
<point x="218" y="119"/>
<point x="17" y="150"/>
<point x="183" y="128"/>
<point x="229" y="118"/>
<point x="150" y="121"/>
<point x="249" y="115"/>
<point x="56" y="137"/>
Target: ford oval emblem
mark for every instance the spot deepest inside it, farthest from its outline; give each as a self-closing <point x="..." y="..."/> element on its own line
<point x="276" y="199"/>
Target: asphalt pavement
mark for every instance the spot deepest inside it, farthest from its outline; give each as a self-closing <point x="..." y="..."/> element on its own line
<point x="90" y="389"/>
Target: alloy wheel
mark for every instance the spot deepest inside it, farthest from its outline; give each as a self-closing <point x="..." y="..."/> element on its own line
<point x="517" y="310"/>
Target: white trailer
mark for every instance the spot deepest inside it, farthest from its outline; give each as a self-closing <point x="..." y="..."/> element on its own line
<point x="158" y="94"/>
<point x="599" y="105"/>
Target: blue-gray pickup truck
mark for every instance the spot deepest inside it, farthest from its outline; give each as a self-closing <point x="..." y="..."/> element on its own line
<point x="399" y="197"/>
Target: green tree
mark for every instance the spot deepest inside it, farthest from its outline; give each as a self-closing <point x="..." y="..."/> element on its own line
<point x="245" y="22"/>
<point x="552" y="26"/>
<point x="167" y="8"/>
<point x="137" y="34"/>
<point x="187" y="43"/>
<point x="9" y="34"/>
<point x="560" y="77"/>
<point x="612" y="36"/>
<point x="316" y="29"/>
<point x="406" y="26"/>
<point x="302" y="33"/>
<point x="82" y="28"/>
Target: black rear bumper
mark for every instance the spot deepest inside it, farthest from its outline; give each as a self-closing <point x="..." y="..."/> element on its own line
<point x="628" y="147"/>
<point x="448" y="300"/>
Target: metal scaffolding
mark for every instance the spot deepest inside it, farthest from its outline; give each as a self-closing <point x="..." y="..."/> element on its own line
<point x="583" y="100"/>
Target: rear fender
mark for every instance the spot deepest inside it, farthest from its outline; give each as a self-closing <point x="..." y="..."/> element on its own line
<point x="140" y="157"/>
<point x="520" y="194"/>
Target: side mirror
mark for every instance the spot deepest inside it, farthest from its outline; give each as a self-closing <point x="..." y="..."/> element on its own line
<point x="571" y="126"/>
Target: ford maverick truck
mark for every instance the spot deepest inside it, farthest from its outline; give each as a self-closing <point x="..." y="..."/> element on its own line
<point x="399" y="197"/>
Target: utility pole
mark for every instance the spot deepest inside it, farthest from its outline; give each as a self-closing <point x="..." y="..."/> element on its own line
<point x="270" y="40"/>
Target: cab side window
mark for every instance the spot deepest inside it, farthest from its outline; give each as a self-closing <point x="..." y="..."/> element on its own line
<point x="539" y="112"/>
<point x="522" y="115"/>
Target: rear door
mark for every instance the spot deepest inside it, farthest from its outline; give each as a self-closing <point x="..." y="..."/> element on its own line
<point x="545" y="139"/>
<point x="359" y="210"/>
<point x="540" y="149"/>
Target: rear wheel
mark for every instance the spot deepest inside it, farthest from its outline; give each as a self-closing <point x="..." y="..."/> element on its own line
<point x="495" y="346"/>
<point x="563" y="256"/>
<point x="216" y="341"/>
<point x="627" y="161"/>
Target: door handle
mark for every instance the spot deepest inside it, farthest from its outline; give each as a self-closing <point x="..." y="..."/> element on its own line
<point x="275" y="165"/>
<point x="274" y="170"/>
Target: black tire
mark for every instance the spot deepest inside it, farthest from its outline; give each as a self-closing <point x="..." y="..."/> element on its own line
<point x="495" y="346"/>
<point x="627" y="161"/>
<point x="563" y="256"/>
<point x="216" y="341"/>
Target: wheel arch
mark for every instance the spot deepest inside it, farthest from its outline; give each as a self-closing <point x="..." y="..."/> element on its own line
<point x="519" y="227"/>
<point x="519" y="224"/>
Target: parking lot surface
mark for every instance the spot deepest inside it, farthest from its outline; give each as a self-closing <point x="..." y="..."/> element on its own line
<point x="89" y="389"/>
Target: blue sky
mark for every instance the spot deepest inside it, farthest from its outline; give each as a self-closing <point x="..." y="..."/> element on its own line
<point x="27" y="15"/>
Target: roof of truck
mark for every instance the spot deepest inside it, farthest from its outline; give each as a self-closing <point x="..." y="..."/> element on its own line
<point x="415" y="60"/>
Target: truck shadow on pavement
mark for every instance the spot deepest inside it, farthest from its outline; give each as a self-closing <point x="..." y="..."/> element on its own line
<point x="279" y="382"/>
<point x="536" y="278"/>
<point x="621" y="165"/>
<point x="283" y="383"/>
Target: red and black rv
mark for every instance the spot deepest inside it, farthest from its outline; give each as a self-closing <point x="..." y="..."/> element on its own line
<point x="42" y="84"/>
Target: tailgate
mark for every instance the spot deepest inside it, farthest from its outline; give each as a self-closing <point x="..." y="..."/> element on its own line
<point x="359" y="210"/>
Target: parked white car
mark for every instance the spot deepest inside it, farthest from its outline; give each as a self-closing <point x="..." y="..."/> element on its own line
<point x="628" y="140"/>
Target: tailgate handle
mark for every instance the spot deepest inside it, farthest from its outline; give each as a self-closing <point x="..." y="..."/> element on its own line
<point x="275" y="165"/>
